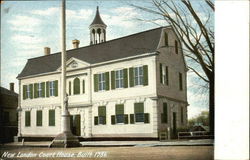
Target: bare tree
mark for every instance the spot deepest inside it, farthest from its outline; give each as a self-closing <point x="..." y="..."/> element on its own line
<point x="196" y="32"/>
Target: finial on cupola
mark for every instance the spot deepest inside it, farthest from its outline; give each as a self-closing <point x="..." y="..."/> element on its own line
<point x="97" y="29"/>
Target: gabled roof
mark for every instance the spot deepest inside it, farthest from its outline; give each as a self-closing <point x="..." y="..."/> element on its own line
<point x="97" y="19"/>
<point x="4" y="91"/>
<point x="132" y="45"/>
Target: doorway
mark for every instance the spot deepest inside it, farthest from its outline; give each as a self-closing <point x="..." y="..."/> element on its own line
<point x="174" y="125"/>
<point x="75" y="124"/>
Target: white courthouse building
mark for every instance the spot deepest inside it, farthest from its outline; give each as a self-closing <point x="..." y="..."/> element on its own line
<point x="133" y="87"/>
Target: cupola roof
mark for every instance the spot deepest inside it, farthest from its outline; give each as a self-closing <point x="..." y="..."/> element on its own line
<point x="97" y="19"/>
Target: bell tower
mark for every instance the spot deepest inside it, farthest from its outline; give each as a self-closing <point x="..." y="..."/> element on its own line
<point x="97" y="29"/>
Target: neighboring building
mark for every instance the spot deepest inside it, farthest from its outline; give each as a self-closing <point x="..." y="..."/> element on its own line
<point x="8" y="114"/>
<point x="130" y="87"/>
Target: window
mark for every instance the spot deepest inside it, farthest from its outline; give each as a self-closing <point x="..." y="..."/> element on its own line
<point x="101" y="83"/>
<point x="119" y="112"/>
<point x="51" y="117"/>
<point x="119" y="79"/>
<point x="161" y="73"/>
<point x="164" y="115"/>
<point x="39" y="89"/>
<point x="139" y="112"/>
<point x="39" y="118"/>
<point x="52" y="88"/>
<point x="166" y="39"/>
<point x="28" y="91"/>
<point x="27" y="118"/>
<point x="176" y="46"/>
<point x="166" y="75"/>
<point x="69" y="88"/>
<point x="76" y="86"/>
<point x="180" y="82"/>
<point x="102" y="114"/>
<point x="138" y="76"/>
<point x="83" y="86"/>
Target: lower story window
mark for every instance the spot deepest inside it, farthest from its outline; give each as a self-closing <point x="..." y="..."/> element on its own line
<point x="120" y="118"/>
<point x="102" y="120"/>
<point x="139" y="117"/>
<point x="139" y="112"/>
<point x="51" y="117"/>
<point x="27" y="118"/>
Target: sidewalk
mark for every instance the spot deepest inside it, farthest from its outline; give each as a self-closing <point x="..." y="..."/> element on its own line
<point x="201" y="142"/>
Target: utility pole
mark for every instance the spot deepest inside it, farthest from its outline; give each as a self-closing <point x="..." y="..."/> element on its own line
<point x="65" y="138"/>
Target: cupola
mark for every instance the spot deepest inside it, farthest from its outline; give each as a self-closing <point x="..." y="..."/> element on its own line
<point x="97" y="29"/>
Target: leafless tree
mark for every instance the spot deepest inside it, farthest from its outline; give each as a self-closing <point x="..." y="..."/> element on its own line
<point x="195" y="29"/>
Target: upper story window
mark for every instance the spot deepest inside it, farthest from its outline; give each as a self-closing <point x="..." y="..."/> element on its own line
<point x="138" y="75"/>
<point x="76" y="86"/>
<point x="164" y="77"/>
<point x="39" y="89"/>
<point x="52" y="88"/>
<point x="28" y="91"/>
<point x="166" y="39"/>
<point x="102" y="82"/>
<point x="180" y="82"/>
<point x="119" y="79"/>
<point x="69" y="88"/>
<point x="176" y="46"/>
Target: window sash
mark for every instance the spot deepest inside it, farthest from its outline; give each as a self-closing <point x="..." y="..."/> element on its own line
<point x="139" y="117"/>
<point x="180" y="82"/>
<point x="39" y="89"/>
<point x="138" y="76"/>
<point x="52" y="88"/>
<point x="101" y="119"/>
<point x="120" y="118"/>
<point x="28" y="91"/>
<point x="119" y="79"/>
<point x="102" y="82"/>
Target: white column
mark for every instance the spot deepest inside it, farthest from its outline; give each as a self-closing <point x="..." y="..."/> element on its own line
<point x="65" y="114"/>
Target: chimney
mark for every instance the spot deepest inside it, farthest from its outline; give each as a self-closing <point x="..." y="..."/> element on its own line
<point x="12" y="87"/>
<point x="46" y="51"/>
<point x="76" y="43"/>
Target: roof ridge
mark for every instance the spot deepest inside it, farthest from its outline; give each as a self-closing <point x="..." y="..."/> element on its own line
<point x="102" y="42"/>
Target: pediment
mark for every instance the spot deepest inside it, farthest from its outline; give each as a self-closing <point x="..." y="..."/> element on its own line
<point x="74" y="63"/>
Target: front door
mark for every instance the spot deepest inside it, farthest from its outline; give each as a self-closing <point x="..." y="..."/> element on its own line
<point x="75" y="124"/>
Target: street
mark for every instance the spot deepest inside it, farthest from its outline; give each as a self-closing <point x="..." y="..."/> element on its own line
<point x="110" y="153"/>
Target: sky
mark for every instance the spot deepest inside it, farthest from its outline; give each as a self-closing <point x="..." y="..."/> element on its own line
<point x="29" y="26"/>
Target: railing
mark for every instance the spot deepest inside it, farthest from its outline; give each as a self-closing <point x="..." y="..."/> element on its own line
<point x="194" y="135"/>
